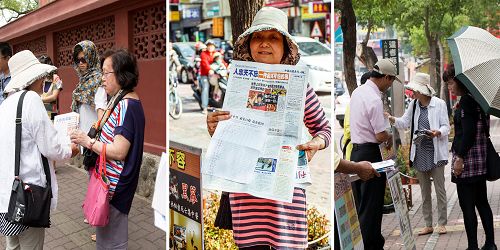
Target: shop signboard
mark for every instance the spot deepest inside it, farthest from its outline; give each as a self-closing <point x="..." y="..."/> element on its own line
<point x="390" y="51"/>
<point x="218" y="27"/>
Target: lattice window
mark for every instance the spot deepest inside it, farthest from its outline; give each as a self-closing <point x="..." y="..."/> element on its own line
<point x="38" y="46"/>
<point x="149" y="32"/>
<point x="101" y="32"/>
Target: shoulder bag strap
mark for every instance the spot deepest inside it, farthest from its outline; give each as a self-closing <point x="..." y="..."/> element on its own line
<point x="19" y="116"/>
<point x="412" y="126"/>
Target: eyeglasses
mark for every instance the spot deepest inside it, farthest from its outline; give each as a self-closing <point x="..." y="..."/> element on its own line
<point x="105" y="74"/>
<point x="81" y="60"/>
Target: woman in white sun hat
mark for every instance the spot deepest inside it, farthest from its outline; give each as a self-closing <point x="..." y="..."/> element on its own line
<point x="38" y="137"/>
<point x="261" y="223"/>
<point x="429" y="150"/>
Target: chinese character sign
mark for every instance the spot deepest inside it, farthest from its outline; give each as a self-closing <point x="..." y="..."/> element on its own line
<point x="185" y="195"/>
<point x="390" y="51"/>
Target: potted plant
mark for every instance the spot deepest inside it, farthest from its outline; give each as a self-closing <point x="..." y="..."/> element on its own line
<point x="408" y="175"/>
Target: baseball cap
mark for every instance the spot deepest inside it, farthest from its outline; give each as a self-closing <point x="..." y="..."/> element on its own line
<point x="386" y="67"/>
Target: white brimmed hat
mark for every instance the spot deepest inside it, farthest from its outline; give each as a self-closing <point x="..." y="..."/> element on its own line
<point x="386" y="67"/>
<point x="421" y="83"/>
<point x="25" y="69"/>
<point x="268" y="18"/>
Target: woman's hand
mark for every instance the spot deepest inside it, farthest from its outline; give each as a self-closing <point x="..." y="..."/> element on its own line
<point x="75" y="150"/>
<point x="458" y="166"/>
<point x="213" y="118"/>
<point x="435" y="133"/>
<point x="312" y="146"/>
<point x="392" y="119"/>
<point x="80" y="138"/>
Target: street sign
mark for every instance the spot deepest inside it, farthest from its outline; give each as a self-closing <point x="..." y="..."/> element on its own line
<point x="390" y="50"/>
<point x="320" y="7"/>
<point x="185" y="199"/>
<point x="218" y="27"/>
<point x="316" y="30"/>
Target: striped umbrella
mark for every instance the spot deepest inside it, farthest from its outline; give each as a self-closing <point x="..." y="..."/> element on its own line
<point x="476" y="55"/>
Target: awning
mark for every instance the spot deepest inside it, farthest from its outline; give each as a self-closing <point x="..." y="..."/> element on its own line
<point x="205" y="25"/>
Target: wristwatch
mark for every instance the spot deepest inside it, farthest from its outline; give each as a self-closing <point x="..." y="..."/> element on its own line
<point x="92" y="141"/>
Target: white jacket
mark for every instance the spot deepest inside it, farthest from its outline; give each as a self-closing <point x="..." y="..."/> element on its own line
<point x="438" y="120"/>
<point x="38" y="136"/>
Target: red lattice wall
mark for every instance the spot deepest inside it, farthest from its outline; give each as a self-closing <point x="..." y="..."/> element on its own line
<point x="149" y="36"/>
<point x="38" y="46"/>
<point x="101" y="32"/>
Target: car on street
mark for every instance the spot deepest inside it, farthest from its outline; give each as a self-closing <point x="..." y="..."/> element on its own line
<point x="341" y="103"/>
<point x="318" y="58"/>
<point x="186" y="53"/>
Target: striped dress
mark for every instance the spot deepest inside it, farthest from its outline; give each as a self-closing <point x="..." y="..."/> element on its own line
<point x="281" y="225"/>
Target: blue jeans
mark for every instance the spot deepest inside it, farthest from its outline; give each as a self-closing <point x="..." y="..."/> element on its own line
<point x="204" y="85"/>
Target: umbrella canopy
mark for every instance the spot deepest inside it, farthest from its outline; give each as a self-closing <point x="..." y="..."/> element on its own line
<point x="476" y="55"/>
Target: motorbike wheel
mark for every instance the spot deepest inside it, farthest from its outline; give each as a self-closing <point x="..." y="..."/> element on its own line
<point x="184" y="78"/>
<point x="175" y="104"/>
<point x="217" y="104"/>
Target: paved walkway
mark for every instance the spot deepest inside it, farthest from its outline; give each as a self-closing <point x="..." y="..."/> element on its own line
<point x="456" y="237"/>
<point x="68" y="230"/>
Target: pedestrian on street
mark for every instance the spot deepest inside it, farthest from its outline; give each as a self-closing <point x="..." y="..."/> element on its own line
<point x="89" y="98"/>
<point x="268" y="41"/>
<point x="51" y="88"/>
<point x="207" y="58"/>
<point x="363" y="169"/>
<point x="38" y="137"/>
<point x="368" y="130"/>
<point x="346" y="139"/>
<point x="430" y="155"/>
<point x="469" y="162"/>
<point x="5" y="55"/>
<point x="123" y="134"/>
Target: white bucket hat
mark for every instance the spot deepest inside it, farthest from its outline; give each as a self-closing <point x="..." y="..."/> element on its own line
<point x="421" y="84"/>
<point x="268" y="18"/>
<point x="24" y="70"/>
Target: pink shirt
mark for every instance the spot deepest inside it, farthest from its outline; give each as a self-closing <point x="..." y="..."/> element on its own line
<point x="367" y="113"/>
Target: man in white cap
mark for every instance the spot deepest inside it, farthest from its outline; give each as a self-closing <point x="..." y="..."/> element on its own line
<point x="368" y="130"/>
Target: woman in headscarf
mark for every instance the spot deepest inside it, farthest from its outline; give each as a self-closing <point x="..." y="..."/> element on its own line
<point x="38" y="137"/>
<point x="261" y="223"/>
<point x="89" y="98"/>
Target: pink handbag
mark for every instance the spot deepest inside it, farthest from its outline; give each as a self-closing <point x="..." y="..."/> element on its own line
<point x="96" y="204"/>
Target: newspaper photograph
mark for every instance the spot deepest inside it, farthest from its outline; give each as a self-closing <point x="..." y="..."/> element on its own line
<point x="277" y="93"/>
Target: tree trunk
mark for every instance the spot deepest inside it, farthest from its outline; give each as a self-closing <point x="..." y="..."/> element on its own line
<point x="242" y="14"/>
<point x="444" y="93"/>
<point x="367" y="56"/>
<point x="432" y="41"/>
<point x="348" y="25"/>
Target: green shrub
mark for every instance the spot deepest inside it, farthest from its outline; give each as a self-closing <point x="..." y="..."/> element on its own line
<point x="215" y="238"/>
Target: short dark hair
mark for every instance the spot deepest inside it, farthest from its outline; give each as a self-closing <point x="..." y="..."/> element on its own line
<point x="124" y="66"/>
<point x="365" y="77"/>
<point x="449" y="74"/>
<point x="375" y="74"/>
<point x="5" y="49"/>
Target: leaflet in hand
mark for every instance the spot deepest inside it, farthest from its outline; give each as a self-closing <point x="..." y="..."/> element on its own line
<point x="65" y="123"/>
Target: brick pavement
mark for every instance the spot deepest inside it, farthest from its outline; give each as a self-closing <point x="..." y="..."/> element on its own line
<point x="68" y="230"/>
<point x="456" y="237"/>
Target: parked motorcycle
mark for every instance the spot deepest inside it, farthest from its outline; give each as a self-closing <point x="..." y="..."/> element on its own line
<point x="174" y="99"/>
<point x="217" y="89"/>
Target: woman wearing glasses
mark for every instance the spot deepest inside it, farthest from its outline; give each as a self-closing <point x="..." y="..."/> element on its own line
<point x="89" y="97"/>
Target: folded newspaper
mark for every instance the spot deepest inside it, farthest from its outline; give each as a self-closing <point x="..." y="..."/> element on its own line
<point x="254" y="151"/>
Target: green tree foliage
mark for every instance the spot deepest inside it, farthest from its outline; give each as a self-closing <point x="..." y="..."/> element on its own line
<point x="12" y="9"/>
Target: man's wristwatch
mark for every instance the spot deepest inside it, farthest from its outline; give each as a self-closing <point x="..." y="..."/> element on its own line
<point x="92" y="141"/>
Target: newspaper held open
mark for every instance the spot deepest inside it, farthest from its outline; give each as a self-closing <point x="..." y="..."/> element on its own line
<point x="277" y="93"/>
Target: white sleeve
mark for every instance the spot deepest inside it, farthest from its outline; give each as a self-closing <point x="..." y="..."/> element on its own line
<point x="444" y="122"/>
<point x="405" y="120"/>
<point x="42" y="130"/>
<point x="100" y="99"/>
